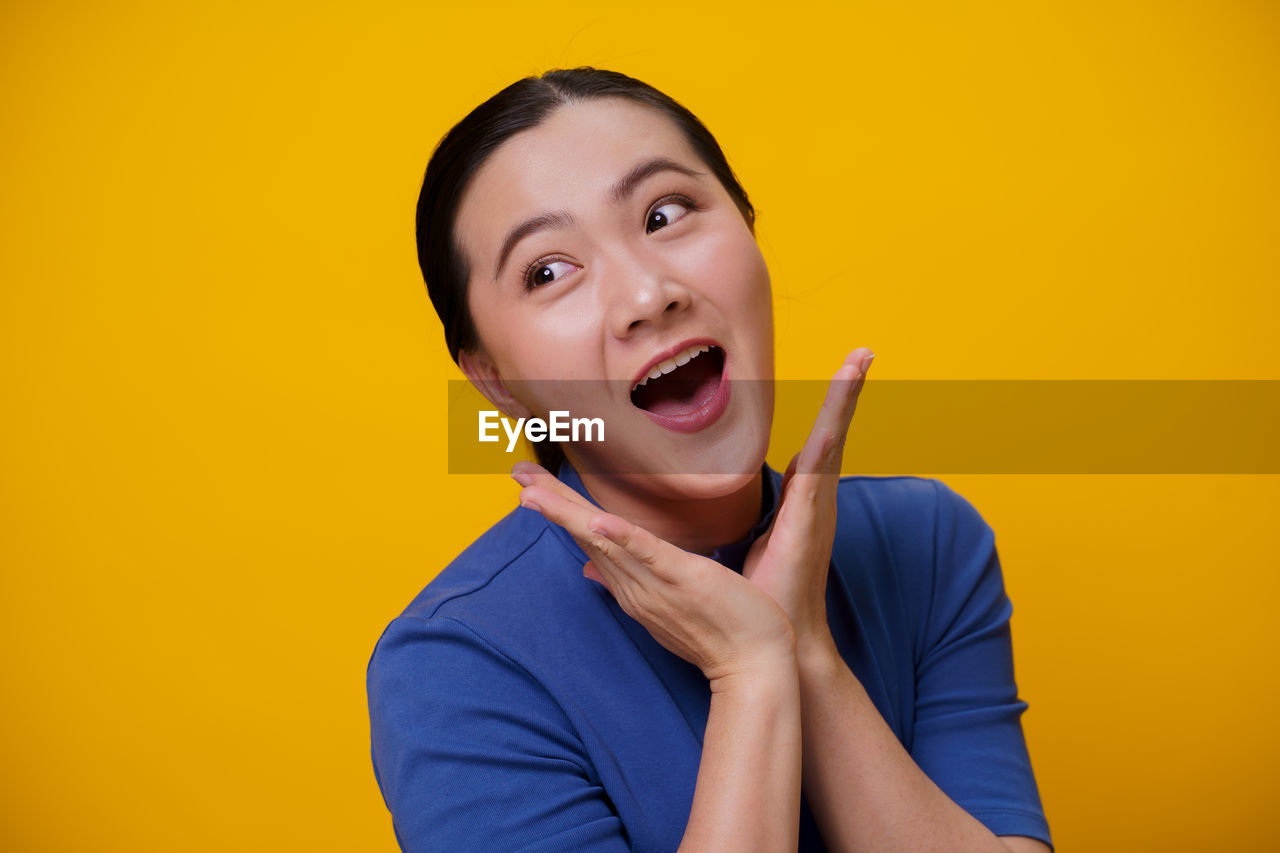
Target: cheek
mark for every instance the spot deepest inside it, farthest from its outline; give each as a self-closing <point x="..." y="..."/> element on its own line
<point x="544" y="342"/>
<point x="732" y="272"/>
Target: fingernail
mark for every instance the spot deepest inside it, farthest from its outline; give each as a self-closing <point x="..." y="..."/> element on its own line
<point x="522" y="478"/>
<point x="866" y="362"/>
<point x="528" y="504"/>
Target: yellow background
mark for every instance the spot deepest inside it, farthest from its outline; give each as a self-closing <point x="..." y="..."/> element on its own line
<point x="221" y="435"/>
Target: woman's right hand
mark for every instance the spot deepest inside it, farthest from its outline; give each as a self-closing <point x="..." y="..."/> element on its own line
<point x="747" y="795"/>
<point x="696" y="608"/>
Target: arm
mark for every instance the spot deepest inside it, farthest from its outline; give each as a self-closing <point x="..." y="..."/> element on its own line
<point x="747" y="794"/>
<point x="748" y="789"/>
<point x="866" y="791"/>
<point x="472" y="754"/>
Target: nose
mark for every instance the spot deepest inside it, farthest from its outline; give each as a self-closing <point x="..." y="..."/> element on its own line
<point x="643" y="295"/>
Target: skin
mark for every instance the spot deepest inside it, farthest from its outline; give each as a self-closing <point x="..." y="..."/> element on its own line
<point x="621" y="295"/>
<point x="785" y="708"/>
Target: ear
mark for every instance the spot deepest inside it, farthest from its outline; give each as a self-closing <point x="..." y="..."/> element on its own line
<point x="483" y="373"/>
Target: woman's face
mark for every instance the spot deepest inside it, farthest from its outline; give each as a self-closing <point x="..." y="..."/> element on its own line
<point x="601" y="249"/>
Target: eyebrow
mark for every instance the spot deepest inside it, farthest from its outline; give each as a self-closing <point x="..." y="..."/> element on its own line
<point x="617" y="194"/>
<point x="532" y="225"/>
<point x="623" y="189"/>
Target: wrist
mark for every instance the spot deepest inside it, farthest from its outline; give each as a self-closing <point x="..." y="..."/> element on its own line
<point x="817" y="656"/>
<point x="765" y="671"/>
<point x="813" y="633"/>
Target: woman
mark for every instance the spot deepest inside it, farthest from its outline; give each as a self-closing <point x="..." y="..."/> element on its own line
<point x="649" y="659"/>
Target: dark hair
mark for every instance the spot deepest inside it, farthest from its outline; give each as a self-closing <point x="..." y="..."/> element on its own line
<point x="465" y="148"/>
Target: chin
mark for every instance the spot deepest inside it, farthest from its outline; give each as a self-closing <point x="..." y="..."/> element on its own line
<point x="700" y="486"/>
<point x="685" y="467"/>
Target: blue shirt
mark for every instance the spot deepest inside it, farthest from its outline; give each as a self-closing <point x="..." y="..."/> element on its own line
<point x="515" y="706"/>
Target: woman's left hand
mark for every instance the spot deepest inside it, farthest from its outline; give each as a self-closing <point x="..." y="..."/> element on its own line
<point x="790" y="561"/>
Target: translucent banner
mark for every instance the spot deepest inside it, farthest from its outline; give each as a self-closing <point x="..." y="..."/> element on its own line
<point x="907" y="427"/>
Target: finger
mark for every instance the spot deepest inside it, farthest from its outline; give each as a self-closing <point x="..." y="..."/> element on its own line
<point x="592" y="570"/>
<point x="654" y="554"/>
<point x="624" y="588"/>
<point x="603" y="572"/>
<point x="825" y="445"/>
<point x="530" y="474"/>
<point x="841" y="400"/>
<point x="564" y="511"/>
<point x="579" y="521"/>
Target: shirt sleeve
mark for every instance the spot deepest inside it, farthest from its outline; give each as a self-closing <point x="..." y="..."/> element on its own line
<point x="968" y="733"/>
<point x="473" y="754"/>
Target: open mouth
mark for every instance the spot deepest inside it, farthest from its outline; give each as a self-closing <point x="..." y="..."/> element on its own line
<point x="681" y="392"/>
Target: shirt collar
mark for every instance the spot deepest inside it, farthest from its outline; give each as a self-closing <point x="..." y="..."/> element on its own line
<point x="732" y="555"/>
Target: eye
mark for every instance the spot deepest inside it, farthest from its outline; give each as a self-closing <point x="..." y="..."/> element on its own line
<point x="539" y="273"/>
<point x="671" y="210"/>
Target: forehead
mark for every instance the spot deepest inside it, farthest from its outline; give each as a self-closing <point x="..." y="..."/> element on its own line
<point x="568" y="162"/>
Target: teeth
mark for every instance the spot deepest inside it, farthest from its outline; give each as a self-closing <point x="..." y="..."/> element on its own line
<point x="671" y="364"/>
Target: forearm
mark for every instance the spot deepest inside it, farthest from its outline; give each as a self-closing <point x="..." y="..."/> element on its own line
<point x="748" y="788"/>
<point x="864" y="789"/>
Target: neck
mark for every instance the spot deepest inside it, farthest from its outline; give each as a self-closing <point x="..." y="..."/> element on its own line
<point x="699" y="525"/>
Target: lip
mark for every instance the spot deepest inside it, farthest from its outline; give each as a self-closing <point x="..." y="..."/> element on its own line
<point x="703" y="417"/>
<point x="710" y="411"/>
<point x="671" y="352"/>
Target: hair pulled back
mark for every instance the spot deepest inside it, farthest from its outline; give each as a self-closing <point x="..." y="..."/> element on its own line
<point x="464" y="149"/>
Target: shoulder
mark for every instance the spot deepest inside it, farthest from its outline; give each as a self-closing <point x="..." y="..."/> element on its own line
<point x="503" y="599"/>
<point x="517" y="562"/>
<point x="468" y="683"/>
<point x="917" y="516"/>
<point x="912" y="509"/>
<point x="921" y="538"/>
<point x="902" y="499"/>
